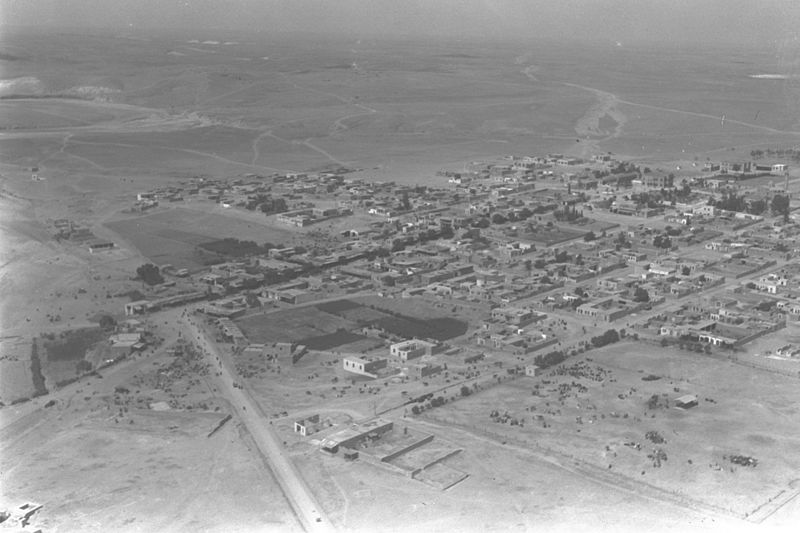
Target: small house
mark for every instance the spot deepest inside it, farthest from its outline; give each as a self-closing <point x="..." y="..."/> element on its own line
<point x="686" y="402"/>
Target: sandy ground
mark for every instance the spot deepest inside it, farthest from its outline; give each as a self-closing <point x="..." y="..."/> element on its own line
<point x="139" y="469"/>
<point x="150" y="472"/>
<point x="507" y="490"/>
<point x="592" y="425"/>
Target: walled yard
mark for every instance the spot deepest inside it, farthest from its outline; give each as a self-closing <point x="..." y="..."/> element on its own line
<point x="335" y="324"/>
<point x="291" y="325"/>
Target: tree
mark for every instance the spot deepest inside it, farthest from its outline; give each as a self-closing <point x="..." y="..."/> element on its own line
<point x="150" y="274"/>
<point x="757" y="207"/>
<point x="465" y="391"/>
<point x="527" y="264"/>
<point x="662" y="241"/>
<point x="641" y="295"/>
<point x="561" y="256"/>
<point x="549" y="359"/>
<point x="252" y="300"/>
<point x="498" y="218"/>
<point x="589" y="237"/>
<point x="609" y="337"/>
<point x="780" y="206"/>
<point x="540" y="264"/>
<point x="279" y="205"/>
<point x="406" y="204"/>
<point x="765" y="305"/>
<point x="107" y="322"/>
<point x="482" y="223"/>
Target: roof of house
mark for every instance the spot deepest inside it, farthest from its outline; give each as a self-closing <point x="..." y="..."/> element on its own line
<point x="687" y="398"/>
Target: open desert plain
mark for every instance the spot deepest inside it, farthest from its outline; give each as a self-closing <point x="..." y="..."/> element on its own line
<point x="304" y="281"/>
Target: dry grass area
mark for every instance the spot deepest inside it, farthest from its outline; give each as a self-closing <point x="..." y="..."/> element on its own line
<point x="508" y="489"/>
<point x="173" y="235"/>
<point x="150" y="472"/>
<point x="138" y="469"/>
<point x="597" y="412"/>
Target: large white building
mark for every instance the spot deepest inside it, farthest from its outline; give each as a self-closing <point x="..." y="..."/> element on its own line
<point x="412" y="349"/>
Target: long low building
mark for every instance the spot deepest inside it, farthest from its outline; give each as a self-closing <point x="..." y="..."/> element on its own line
<point x="352" y="436"/>
<point x="144" y="306"/>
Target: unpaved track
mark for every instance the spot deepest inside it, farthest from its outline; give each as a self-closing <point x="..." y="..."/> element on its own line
<point x="294" y="487"/>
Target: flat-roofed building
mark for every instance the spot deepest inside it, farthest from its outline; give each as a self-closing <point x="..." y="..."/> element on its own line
<point x="307" y="426"/>
<point x="364" y="366"/>
<point x="686" y="401"/>
<point x="412" y="349"/>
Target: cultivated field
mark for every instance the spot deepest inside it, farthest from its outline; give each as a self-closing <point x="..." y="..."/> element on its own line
<point x="334" y="324"/>
<point x="554" y="235"/>
<point x="15" y="369"/>
<point x="291" y="325"/>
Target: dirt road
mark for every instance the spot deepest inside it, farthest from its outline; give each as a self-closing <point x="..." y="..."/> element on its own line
<point x="308" y="510"/>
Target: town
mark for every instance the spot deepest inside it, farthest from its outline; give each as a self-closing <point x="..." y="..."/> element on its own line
<point x="499" y="266"/>
<point x="440" y="305"/>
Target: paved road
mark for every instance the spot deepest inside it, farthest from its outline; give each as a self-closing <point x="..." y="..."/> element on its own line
<point x="308" y="510"/>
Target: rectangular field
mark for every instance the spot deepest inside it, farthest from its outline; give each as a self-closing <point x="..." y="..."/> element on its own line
<point x="163" y="245"/>
<point x="554" y="235"/>
<point x="16" y="378"/>
<point x="409" y="317"/>
<point x="293" y="325"/>
<point x="173" y="236"/>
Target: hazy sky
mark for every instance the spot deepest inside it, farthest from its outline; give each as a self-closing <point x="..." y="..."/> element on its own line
<point x="764" y="21"/>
